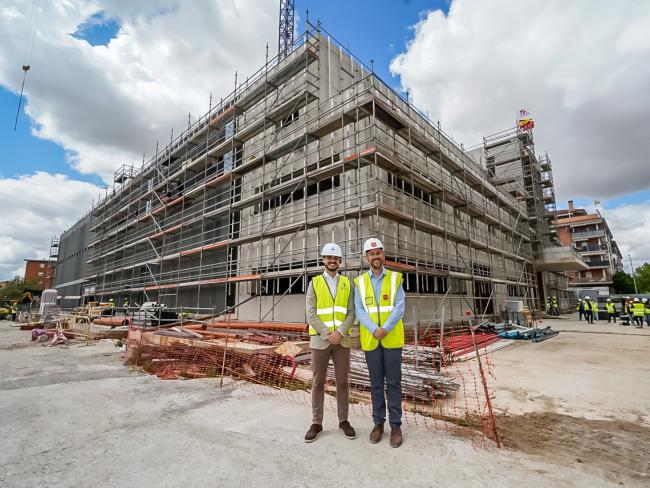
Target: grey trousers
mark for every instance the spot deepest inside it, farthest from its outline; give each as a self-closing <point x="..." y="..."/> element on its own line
<point x="385" y="368"/>
<point x="320" y="358"/>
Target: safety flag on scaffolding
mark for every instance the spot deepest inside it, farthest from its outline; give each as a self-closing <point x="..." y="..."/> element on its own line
<point x="525" y="120"/>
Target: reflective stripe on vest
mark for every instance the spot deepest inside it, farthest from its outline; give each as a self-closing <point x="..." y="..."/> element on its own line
<point x="331" y="311"/>
<point x="639" y="310"/>
<point x="379" y="311"/>
<point x="610" y="307"/>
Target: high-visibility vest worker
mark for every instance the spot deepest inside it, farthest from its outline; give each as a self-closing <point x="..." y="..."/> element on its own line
<point x="379" y="309"/>
<point x="331" y="311"/>
<point x="638" y="309"/>
<point x="611" y="308"/>
<point x="594" y="307"/>
<point x="580" y="306"/>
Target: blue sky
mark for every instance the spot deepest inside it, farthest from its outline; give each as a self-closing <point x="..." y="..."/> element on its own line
<point x="376" y="30"/>
<point x="471" y="67"/>
<point x="372" y="30"/>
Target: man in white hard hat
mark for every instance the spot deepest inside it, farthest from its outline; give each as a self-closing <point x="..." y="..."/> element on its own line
<point x="379" y="305"/>
<point x="589" y="315"/>
<point x="638" y="310"/>
<point x="330" y="315"/>
<point x="611" y="310"/>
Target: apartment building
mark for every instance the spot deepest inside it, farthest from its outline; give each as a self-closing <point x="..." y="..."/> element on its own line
<point x="589" y="234"/>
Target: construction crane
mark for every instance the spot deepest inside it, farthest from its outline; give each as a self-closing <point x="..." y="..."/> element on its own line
<point x="285" y="36"/>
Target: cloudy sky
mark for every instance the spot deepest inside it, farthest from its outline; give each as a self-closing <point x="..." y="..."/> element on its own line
<point x="109" y="78"/>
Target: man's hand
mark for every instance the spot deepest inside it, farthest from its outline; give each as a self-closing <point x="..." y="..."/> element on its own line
<point x="379" y="333"/>
<point x="334" y="337"/>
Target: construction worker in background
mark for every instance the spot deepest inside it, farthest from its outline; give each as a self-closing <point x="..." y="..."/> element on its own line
<point x="595" y="310"/>
<point x="14" y="311"/>
<point x="125" y="305"/>
<point x="589" y="316"/>
<point x="549" y="308"/>
<point x="330" y="315"/>
<point x="379" y="304"/>
<point x="555" y="308"/>
<point x="638" y="309"/>
<point x="580" y="307"/>
<point x="611" y="310"/>
<point x="646" y="304"/>
<point x="111" y="304"/>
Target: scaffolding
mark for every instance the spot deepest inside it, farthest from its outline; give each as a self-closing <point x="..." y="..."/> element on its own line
<point x="50" y="267"/>
<point x="312" y="148"/>
<point x="513" y="165"/>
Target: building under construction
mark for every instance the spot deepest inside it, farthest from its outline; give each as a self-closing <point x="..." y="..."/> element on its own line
<point x="313" y="148"/>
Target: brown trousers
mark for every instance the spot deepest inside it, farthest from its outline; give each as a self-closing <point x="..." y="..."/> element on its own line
<point x="320" y="358"/>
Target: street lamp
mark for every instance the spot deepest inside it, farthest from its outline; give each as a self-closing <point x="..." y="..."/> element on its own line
<point x="636" y="290"/>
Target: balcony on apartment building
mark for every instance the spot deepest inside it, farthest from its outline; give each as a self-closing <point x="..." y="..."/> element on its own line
<point x="606" y="278"/>
<point x="559" y="259"/>
<point x="598" y="263"/>
<point x="588" y="234"/>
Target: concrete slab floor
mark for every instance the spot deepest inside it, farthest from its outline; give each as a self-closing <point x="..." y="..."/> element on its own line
<point x="76" y="417"/>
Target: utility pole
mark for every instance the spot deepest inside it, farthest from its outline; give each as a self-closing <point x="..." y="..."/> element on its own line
<point x="636" y="290"/>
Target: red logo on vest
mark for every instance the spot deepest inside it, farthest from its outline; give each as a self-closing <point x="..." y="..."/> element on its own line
<point x="385" y="297"/>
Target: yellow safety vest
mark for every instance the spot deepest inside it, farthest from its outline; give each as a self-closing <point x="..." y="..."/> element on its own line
<point x="330" y="310"/>
<point x="610" y="307"/>
<point x="379" y="309"/>
<point x="594" y="306"/>
<point x="578" y="306"/>
<point x="647" y="309"/>
<point x="639" y="309"/>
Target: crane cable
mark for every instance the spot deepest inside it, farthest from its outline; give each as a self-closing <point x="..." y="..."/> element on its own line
<point x="27" y="54"/>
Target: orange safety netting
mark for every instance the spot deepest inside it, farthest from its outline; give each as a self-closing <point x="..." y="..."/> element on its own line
<point x="444" y="385"/>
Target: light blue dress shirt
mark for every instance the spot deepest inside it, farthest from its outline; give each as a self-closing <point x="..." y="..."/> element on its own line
<point x="395" y="315"/>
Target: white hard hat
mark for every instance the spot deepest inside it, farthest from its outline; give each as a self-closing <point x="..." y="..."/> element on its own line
<point x="636" y="299"/>
<point x="331" y="249"/>
<point x="579" y="299"/>
<point x="627" y="298"/>
<point x="644" y="300"/>
<point x="609" y="299"/>
<point x="587" y="298"/>
<point x="372" y="243"/>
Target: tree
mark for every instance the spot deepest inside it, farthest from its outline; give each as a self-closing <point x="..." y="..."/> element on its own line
<point x="16" y="287"/>
<point x="622" y="283"/>
<point x="643" y="278"/>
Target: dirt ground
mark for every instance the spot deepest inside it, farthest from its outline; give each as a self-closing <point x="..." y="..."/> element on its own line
<point x="572" y="411"/>
<point x="582" y="397"/>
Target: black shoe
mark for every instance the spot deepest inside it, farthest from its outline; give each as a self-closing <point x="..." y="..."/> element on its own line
<point x="314" y="431"/>
<point x="347" y="429"/>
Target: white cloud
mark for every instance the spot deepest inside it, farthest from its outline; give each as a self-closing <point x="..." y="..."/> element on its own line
<point x="35" y="208"/>
<point x="582" y="68"/>
<point x="630" y="231"/>
<point x="107" y="105"/>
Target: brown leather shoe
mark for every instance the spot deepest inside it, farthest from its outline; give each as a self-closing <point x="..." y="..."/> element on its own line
<point x="396" y="437"/>
<point x="377" y="433"/>
<point x="347" y="429"/>
<point x="314" y="431"/>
